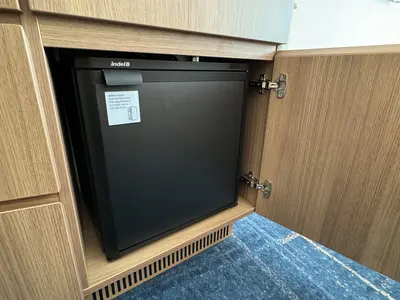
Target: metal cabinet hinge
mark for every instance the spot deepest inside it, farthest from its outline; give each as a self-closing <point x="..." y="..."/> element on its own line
<point x="250" y="180"/>
<point x="263" y="84"/>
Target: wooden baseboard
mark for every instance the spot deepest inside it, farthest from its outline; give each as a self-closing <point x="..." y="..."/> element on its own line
<point x="157" y="266"/>
<point x="156" y="257"/>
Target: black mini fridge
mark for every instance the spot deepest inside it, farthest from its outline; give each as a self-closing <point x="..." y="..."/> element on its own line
<point x="156" y="144"/>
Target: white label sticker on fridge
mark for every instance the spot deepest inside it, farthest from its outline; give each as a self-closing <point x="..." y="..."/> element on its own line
<point x="122" y="107"/>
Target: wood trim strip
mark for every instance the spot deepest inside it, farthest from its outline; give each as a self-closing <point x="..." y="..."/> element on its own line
<point x="362" y="50"/>
<point x="88" y="34"/>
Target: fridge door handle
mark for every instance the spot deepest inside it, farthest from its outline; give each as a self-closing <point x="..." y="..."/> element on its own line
<point x="122" y="77"/>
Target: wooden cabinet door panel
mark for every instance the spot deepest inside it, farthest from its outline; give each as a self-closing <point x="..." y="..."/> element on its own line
<point x="332" y="152"/>
<point x="36" y="260"/>
<point x="26" y="161"/>
<point x="265" y="20"/>
<point x="9" y="4"/>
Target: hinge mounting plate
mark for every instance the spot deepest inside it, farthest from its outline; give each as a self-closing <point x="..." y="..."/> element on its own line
<point x="250" y="180"/>
<point x="263" y="84"/>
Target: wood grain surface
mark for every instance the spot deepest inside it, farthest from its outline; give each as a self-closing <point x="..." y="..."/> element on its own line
<point x="255" y="117"/>
<point x="26" y="161"/>
<point x="332" y="152"/>
<point x="35" y="255"/>
<point x="102" y="272"/>
<point x="84" y="34"/>
<point x="66" y="195"/>
<point x="265" y="20"/>
<point x="9" y="4"/>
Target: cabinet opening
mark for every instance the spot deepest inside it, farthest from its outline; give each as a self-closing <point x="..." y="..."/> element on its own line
<point x="252" y="109"/>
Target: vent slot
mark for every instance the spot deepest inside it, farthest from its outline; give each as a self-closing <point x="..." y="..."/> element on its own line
<point x="153" y="268"/>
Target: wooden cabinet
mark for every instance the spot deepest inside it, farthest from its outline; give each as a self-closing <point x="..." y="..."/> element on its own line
<point x="330" y="147"/>
<point x="9" y="4"/>
<point x="36" y="260"/>
<point x="264" y="20"/>
<point x="332" y="152"/>
<point x="26" y="160"/>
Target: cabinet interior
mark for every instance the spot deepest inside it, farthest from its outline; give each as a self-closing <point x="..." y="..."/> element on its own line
<point x="100" y="271"/>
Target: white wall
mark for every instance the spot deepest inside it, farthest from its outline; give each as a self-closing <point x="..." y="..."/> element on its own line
<point x="342" y="23"/>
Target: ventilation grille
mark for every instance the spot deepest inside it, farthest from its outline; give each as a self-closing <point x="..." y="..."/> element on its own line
<point x="156" y="267"/>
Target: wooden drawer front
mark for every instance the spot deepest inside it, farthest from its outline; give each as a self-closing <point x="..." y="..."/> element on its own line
<point x="265" y="20"/>
<point x="26" y="162"/>
<point x="9" y="4"/>
<point x="35" y="255"/>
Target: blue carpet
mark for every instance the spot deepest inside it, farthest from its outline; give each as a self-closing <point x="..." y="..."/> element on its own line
<point x="263" y="260"/>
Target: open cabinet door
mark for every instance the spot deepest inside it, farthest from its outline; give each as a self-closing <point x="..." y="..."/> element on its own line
<point x="332" y="153"/>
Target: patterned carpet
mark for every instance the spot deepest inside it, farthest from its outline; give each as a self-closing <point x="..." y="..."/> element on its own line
<point x="263" y="260"/>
